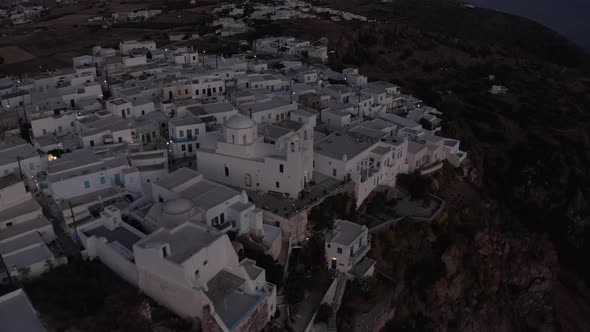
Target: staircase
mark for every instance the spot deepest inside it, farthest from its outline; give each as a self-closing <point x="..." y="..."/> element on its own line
<point x="337" y="301"/>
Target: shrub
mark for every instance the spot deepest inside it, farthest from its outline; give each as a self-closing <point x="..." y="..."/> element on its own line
<point x="323" y="314"/>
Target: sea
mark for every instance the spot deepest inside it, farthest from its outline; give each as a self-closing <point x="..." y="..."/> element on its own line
<point x="571" y="18"/>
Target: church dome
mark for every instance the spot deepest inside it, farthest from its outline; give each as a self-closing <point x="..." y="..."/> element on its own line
<point x="178" y="206"/>
<point x="239" y="121"/>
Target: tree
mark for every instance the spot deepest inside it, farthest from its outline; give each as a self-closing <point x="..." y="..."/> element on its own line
<point x="24" y="273"/>
<point x="323" y="314"/>
<point x="416" y="184"/>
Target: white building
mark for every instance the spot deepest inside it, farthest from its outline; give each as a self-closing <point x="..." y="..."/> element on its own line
<point x="127" y="46"/>
<point x="184" y="135"/>
<point x="19" y="157"/>
<point x="83" y="179"/>
<point x="195" y="272"/>
<point x="24" y="232"/>
<point x="346" y="246"/>
<point x="271" y="157"/>
<point x="186" y="195"/>
<point x="17" y="313"/>
<point x="366" y="161"/>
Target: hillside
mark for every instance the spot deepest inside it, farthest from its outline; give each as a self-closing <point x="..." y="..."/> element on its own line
<point x="529" y="151"/>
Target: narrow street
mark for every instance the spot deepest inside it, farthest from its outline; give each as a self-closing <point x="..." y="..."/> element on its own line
<point x="51" y="212"/>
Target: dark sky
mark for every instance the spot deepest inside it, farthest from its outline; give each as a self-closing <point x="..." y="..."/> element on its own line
<point x="569" y="17"/>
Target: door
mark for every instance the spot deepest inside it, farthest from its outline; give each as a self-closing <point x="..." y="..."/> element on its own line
<point x="117" y="179"/>
<point x="190" y="147"/>
<point x="334" y="263"/>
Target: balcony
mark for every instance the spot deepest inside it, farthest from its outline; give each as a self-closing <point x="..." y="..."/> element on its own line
<point x="369" y="172"/>
<point x="431" y="168"/>
<point x="361" y="252"/>
<point x="226" y="226"/>
<point x="183" y="139"/>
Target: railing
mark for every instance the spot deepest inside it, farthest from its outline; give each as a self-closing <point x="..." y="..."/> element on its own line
<point x="358" y="254"/>
<point x="368" y="173"/>
<point x="183" y="139"/>
<point x="224" y="227"/>
<point x="432" y="167"/>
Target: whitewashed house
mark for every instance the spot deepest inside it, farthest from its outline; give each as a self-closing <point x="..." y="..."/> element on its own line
<point x="17" y="313"/>
<point x="196" y="273"/>
<point x="271" y="157"/>
<point x="347" y="245"/>
<point x="24" y="233"/>
<point x="366" y="161"/>
<point x="20" y="158"/>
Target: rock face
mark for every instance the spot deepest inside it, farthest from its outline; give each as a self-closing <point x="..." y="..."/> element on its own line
<point x="489" y="282"/>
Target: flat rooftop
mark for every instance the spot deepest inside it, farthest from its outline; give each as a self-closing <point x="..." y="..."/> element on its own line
<point x="120" y="235"/>
<point x="338" y="145"/>
<point x="17" y="313"/>
<point x="10" y="152"/>
<point x="345" y="232"/>
<point x="230" y="303"/>
<point x="8" y="180"/>
<point x="185" y="240"/>
<point x="176" y="178"/>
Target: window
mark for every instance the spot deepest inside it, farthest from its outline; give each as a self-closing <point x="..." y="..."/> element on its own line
<point x="128" y="111"/>
<point x="186" y="92"/>
<point x="142" y="112"/>
<point x="244" y="139"/>
<point x="197" y="92"/>
<point x="304" y="133"/>
<point x="86" y="184"/>
<point x="226" y="171"/>
<point x="183" y="147"/>
<point x="103" y="180"/>
<point x="197" y="274"/>
<point x="8" y="224"/>
<point x="277" y="117"/>
<point x="189" y="132"/>
<point x="220" y="89"/>
<point x="277" y="184"/>
<point x="281" y="168"/>
<point x="120" y="139"/>
<point x="196" y="131"/>
<point x="204" y="262"/>
<point x="44" y="131"/>
<point x="181" y="133"/>
<point x="164" y="251"/>
<point x="160" y="199"/>
<point x="282" y="116"/>
<point x="333" y="172"/>
<point x="214" y="90"/>
<point x="329" y="246"/>
<point x="339" y="250"/>
<point x="91" y="142"/>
